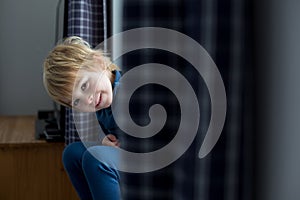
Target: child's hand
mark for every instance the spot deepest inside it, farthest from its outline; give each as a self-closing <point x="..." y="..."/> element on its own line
<point x="111" y="140"/>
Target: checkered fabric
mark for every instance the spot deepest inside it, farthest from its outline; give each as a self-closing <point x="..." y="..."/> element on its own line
<point x="222" y="28"/>
<point x="87" y="19"/>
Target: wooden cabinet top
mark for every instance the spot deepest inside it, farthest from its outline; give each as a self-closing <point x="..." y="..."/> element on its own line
<point x="18" y="130"/>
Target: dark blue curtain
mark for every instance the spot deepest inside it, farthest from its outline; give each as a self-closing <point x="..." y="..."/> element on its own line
<point x="223" y="28"/>
<point x="86" y="19"/>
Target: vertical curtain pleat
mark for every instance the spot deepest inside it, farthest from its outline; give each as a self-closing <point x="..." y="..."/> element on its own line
<point x="222" y="28"/>
<point x="87" y="19"/>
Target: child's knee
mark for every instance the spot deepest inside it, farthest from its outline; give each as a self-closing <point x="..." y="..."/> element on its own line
<point x="72" y="154"/>
<point x="101" y="158"/>
<point x="92" y="165"/>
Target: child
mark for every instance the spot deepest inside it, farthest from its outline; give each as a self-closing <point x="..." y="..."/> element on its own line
<point x="79" y="77"/>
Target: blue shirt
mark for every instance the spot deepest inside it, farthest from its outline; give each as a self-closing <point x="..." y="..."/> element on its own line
<point x="105" y="116"/>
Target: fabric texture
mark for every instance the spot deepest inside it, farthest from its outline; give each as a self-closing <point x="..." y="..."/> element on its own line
<point x="86" y="19"/>
<point x="222" y="28"/>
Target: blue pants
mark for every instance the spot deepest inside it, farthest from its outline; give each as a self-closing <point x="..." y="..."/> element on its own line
<point x="91" y="178"/>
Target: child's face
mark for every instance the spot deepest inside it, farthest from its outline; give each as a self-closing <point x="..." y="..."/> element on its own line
<point x="92" y="92"/>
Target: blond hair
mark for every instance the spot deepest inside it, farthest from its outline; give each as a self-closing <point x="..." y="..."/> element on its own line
<point x="63" y="63"/>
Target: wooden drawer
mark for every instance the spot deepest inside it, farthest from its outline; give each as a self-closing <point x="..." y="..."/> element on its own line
<point x="30" y="169"/>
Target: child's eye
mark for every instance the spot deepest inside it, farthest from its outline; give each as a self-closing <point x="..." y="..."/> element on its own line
<point x="84" y="86"/>
<point x="76" y="102"/>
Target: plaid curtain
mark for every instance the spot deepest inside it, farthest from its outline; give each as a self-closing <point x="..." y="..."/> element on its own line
<point x="87" y="19"/>
<point x="222" y="27"/>
<point x="224" y="30"/>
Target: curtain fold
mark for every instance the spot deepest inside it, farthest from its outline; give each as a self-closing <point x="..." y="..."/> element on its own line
<point x="86" y="19"/>
<point x="223" y="29"/>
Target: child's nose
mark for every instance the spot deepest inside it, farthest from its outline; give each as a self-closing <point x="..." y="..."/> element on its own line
<point x="90" y="99"/>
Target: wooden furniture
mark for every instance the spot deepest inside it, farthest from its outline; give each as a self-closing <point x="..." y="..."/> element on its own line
<point x="30" y="169"/>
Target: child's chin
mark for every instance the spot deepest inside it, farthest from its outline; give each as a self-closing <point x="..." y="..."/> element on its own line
<point x="97" y="109"/>
<point x="102" y="107"/>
